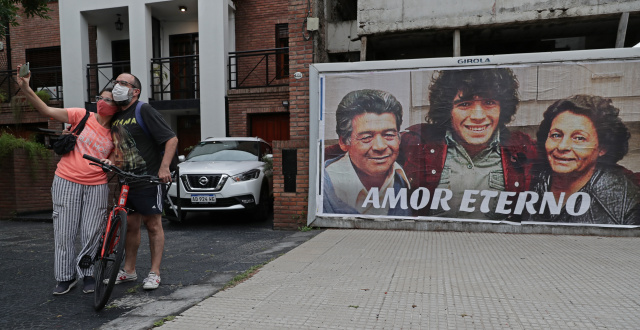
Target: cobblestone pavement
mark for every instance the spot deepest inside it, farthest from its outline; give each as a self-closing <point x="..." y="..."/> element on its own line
<point x="199" y="258"/>
<point x="366" y="279"/>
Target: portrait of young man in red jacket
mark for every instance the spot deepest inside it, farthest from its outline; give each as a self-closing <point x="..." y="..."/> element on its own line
<point x="464" y="154"/>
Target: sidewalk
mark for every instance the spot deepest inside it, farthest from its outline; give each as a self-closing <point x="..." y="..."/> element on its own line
<point x="366" y="279"/>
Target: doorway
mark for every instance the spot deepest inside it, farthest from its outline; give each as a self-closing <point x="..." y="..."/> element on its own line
<point x="188" y="133"/>
<point x="120" y="51"/>
<point x="184" y="68"/>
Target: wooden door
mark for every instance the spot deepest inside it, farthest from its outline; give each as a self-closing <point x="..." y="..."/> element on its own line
<point x="184" y="71"/>
<point x="188" y="133"/>
<point x="270" y="126"/>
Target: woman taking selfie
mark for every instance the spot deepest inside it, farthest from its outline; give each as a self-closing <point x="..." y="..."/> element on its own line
<point x="79" y="190"/>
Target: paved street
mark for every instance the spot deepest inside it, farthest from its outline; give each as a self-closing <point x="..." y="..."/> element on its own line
<point x="200" y="257"/>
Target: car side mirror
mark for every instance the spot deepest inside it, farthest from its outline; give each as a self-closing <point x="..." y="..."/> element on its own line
<point x="181" y="158"/>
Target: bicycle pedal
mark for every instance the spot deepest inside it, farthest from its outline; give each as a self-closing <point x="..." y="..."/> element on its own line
<point x="85" y="261"/>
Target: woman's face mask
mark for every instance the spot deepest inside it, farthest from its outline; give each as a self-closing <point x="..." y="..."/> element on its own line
<point x="122" y="95"/>
<point x="105" y="109"/>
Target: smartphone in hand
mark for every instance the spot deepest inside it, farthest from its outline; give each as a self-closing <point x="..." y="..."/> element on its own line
<point x="24" y="70"/>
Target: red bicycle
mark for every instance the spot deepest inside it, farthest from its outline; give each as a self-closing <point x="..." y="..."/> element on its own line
<point x="111" y="251"/>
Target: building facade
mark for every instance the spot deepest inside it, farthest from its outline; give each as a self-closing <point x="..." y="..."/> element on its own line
<point x="241" y="68"/>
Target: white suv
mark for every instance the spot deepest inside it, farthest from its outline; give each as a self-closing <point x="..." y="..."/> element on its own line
<point x="224" y="174"/>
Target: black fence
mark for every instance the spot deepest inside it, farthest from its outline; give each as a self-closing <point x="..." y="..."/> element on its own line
<point x="175" y="78"/>
<point x="259" y="68"/>
<point x="48" y="79"/>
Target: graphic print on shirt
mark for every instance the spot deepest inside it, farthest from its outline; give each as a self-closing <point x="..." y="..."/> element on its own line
<point x="89" y="142"/>
<point x="127" y="155"/>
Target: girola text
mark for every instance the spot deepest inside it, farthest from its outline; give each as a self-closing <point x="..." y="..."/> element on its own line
<point x="473" y="60"/>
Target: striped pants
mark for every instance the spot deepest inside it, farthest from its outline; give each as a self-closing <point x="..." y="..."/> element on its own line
<point x="76" y="207"/>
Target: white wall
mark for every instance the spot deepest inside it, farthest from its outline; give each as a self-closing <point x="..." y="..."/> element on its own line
<point x="213" y="24"/>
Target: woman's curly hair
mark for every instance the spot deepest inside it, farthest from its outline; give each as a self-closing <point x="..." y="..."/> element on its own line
<point x="499" y="84"/>
<point x="613" y="135"/>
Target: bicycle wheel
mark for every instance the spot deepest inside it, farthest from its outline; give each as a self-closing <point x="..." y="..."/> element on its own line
<point x="108" y="266"/>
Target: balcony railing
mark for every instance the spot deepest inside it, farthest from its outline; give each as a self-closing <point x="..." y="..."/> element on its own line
<point x="48" y="79"/>
<point x="175" y="78"/>
<point x="259" y="68"/>
<point x="101" y="75"/>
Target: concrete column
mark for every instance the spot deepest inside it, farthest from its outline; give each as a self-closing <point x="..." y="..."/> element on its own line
<point x="456" y="43"/>
<point x="140" y="41"/>
<point x="622" y="30"/>
<point x="213" y="19"/>
<point x="363" y="48"/>
<point x="74" y="50"/>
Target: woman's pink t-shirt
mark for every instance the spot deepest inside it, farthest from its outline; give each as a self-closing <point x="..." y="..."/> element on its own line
<point x="95" y="140"/>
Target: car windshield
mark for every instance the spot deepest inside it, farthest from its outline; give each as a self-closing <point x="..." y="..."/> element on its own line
<point x="224" y="151"/>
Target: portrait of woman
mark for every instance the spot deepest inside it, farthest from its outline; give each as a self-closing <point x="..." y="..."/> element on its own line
<point x="580" y="141"/>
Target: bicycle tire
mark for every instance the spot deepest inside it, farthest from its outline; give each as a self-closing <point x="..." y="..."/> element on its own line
<point x="108" y="266"/>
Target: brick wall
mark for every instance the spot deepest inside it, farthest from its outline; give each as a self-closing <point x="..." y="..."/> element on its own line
<point x="34" y="32"/>
<point x="290" y="208"/>
<point x="253" y="100"/>
<point x="25" y="184"/>
<point x="256" y="23"/>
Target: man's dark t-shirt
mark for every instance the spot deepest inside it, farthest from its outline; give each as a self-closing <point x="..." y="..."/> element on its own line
<point x="134" y="151"/>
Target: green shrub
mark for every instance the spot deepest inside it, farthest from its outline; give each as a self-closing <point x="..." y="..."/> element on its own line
<point x="43" y="95"/>
<point x="35" y="150"/>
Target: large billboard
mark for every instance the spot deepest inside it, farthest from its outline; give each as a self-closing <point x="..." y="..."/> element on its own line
<point x="539" y="142"/>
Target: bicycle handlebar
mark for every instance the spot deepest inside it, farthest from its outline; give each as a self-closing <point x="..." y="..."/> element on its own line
<point x="120" y="172"/>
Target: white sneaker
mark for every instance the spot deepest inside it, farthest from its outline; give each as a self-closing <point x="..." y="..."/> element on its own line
<point x="123" y="277"/>
<point x="151" y="282"/>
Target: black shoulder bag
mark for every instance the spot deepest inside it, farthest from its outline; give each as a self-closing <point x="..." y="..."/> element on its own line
<point x="67" y="142"/>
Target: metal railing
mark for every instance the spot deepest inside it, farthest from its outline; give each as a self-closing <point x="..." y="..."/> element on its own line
<point x="101" y="75"/>
<point x="259" y="68"/>
<point x="175" y="78"/>
<point x="48" y="79"/>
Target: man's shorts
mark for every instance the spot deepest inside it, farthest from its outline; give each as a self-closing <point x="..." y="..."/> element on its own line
<point x="145" y="201"/>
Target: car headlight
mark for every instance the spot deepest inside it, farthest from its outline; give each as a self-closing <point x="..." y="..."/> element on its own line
<point x="246" y="176"/>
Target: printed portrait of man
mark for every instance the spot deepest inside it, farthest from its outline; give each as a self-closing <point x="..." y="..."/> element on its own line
<point x="367" y="123"/>
<point x="465" y="145"/>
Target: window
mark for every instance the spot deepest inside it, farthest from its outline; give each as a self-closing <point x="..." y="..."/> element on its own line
<point x="282" y="56"/>
<point x="46" y="64"/>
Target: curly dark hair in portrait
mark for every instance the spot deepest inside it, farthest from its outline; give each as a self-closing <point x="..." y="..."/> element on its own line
<point x="613" y="135"/>
<point x="499" y="84"/>
<point x="365" y="101"/>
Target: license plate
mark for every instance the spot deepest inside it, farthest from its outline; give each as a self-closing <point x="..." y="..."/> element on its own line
<point x="203" y="199"/>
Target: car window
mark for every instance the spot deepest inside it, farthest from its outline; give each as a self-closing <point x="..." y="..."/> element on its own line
<point x="224" y="151"/>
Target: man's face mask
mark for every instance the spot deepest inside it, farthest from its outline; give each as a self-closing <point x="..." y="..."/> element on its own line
<point x="122" y="95"/>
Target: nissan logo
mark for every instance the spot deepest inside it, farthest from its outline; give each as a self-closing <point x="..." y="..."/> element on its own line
<point x="203" y="180"/>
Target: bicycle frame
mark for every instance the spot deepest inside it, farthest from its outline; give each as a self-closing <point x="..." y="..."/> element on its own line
<point x="122" y="201"/>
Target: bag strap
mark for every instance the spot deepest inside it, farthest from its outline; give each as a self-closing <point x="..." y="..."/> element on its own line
<point x="146" y="130"/>
<point x="140" y="121"/>
<point x="80" y="126"/>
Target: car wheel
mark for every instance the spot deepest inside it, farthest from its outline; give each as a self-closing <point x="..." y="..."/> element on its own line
<point x="261" y="212"/>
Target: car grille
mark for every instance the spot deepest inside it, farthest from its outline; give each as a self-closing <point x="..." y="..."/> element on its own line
<point x="202" y="182"/>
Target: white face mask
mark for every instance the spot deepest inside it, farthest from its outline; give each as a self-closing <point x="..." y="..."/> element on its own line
<point x="122" y="94"/>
